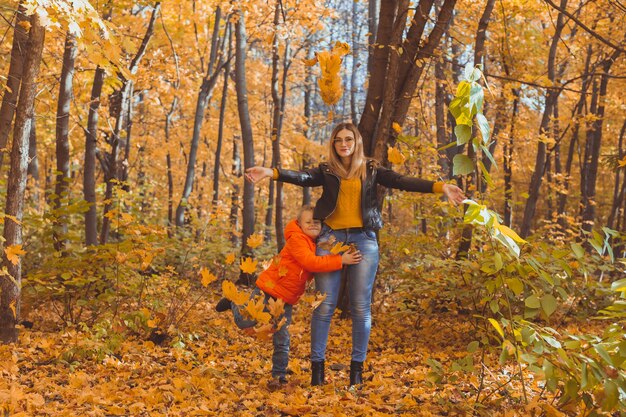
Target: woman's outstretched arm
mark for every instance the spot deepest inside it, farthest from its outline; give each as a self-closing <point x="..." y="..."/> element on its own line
<point x="309" y="178"/>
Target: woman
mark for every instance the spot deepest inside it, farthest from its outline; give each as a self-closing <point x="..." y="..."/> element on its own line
<point x="349" y="211"/>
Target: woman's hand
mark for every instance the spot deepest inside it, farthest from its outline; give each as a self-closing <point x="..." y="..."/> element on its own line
<point x="256" y="174"/>
<point x="351" y="257"/>
<point x="454" y="193"/>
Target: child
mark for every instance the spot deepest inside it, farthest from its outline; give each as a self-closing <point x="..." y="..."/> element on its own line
<point x="287" y="278"/>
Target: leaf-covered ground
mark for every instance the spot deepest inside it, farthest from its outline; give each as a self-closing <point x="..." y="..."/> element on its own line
<point x="218" y="370"/>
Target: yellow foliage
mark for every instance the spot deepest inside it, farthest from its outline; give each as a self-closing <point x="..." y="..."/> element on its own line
<point x="255" y="240"/>
<point x="276" y="307"/>
<point x="396" y="127"/>
<point x="13" y="253"/>
<point x="331" y="89"/>
<point x="230" y="258"/>
<point x="207" y="277"/>
<point x="395" y="156"/>
<point x="230" y="291"/>
<point x="248" y="265"/>
<point x="255" y="308"/>
<point x="622" y="162"/>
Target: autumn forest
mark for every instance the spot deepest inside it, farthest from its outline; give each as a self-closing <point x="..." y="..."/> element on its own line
<point x="126" y="128"/>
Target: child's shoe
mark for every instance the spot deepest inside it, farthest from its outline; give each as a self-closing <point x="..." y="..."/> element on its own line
<point x="223" y="305"/>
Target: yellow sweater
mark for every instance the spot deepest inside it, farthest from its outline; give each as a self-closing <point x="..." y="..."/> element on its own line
<point x="349" y="203"/>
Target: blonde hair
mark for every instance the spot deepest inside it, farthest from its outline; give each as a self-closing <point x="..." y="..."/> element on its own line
<point x="358" y="167"/>
<point x="306" y="207"/>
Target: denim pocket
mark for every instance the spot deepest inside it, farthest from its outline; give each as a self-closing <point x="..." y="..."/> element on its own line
<point x="370" y="234"/>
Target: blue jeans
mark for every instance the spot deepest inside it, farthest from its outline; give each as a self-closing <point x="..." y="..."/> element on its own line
<point x="281" y="339"/>
<point x="360" y="283"/>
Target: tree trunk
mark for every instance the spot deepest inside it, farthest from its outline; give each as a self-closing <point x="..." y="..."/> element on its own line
<point x="89" y="173"/>
<point x="618" y="195"/>
<point x="508" y="162"/>
<point x="111" y="166"/>
<point x="10" y="287"/>
<point x="237" y="173"/>
<point x="62" y="185"/>
<point x="33" y="163"/>
<point x="440" y="118"/>
<point x="373" y="7"/>
<point x="220" y="128"/>
<point x="355" y="61"/>
<point x="562" y="196"/>
<point x="14" y="78"/>
<point x="552" y="95"/>
<point x="594" y="139"/>
<point x="168" y="165"/>
<point x="206" y="90"/>
<point x="246" y="136"/>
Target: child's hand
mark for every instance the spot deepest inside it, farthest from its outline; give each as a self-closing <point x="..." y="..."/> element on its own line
<point x="351" y="257"/>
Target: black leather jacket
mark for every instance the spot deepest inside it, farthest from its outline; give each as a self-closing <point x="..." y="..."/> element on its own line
<point x="376" y="174"/>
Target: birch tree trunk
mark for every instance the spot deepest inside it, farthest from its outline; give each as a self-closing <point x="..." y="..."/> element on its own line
<point x="89" y="173"/>
<point x="61" y="186"/>
<point x="14" y="78"/>
<point x="10" y="288"/>
<point x="246" y="136"/>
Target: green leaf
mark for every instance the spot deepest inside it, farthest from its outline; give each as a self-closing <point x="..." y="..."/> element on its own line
<point x="578" y="250"/>
<point x="496" y="325"/>
<point x="516" y="285"/>
<point x="532" y="302"/>
<point x="548" y="304"/>
<point x="462" y="165"/>
<point x="611" y="395"/>
<point x="463" y="134"/>
<point x="476" y="98"/>
<point x="497" y="261"/>
<point x="552" y="341"/>
<point x="473" y="346"/>
<point x="604" y="354"/>
<point x="619" y="285"/>
<point x="483" y="126"/>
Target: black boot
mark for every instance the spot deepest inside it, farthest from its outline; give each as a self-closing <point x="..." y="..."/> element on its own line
<point x="356" y="373"/>
<point x="317" y="373"/>
<point x="223" y="305"/>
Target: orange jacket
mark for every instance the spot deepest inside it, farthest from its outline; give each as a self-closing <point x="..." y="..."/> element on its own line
<point x="289" y="272"/>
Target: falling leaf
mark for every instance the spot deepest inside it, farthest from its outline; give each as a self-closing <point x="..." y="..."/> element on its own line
<point x="396" y="127"/>
<point x="319" y="299"/>
<point x="207" y="277"/>
<point x="12" y="307"/>
<point x="256" y="310"/>
<point x="13" y="253"/>
<point x="622" y="162"/>
<point x="230" y="291"/>
<point x="248" y="266"/>
<point x="395" y="156"/>
<point x="265" y="332"/>
<point x="276" y="307"/>
<point x="230" y="258"/>
<point x="310" y="62"/>
<point x="255" y="240"/>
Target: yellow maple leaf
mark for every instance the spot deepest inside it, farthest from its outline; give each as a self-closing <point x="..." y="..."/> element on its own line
<point x="319" y="299"/>
<point x="339" y="248"/>
<point x="255" y="240"/>
<point x="152" y="323"/>
<point x="276" y="307"/>
<point x="396" y="127"/>
<point x="395" y="156"/>
<point x="207" y="277"/>
<point x="13" y="253"/>
<point x="622" y="162"/>
<point x="265" y="332"/>
<point x="230" y="258"/>
<point x="230" y="291"/>
<point x="341" y="48"/>
<point x="310" y="62"/>
<point x="248" y="265"/>
<point x="256" y="310"/>
<point x="327" y="244"/>
<point x="12" y="307"/>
